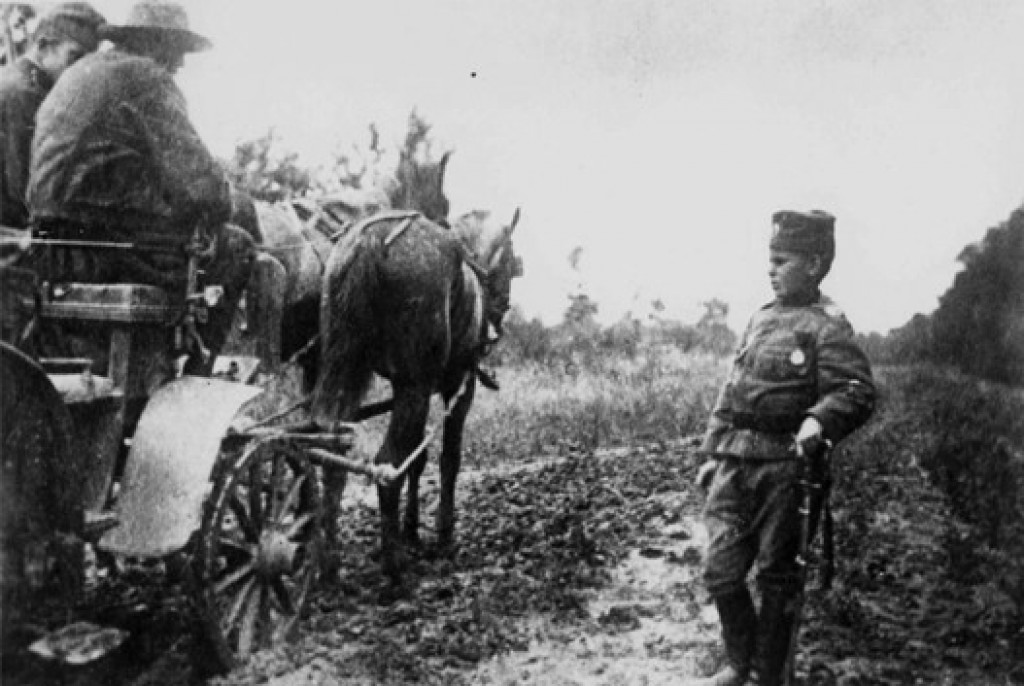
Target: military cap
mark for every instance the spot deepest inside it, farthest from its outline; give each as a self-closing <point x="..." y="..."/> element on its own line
<point x="804" y="232"/>
<point x="76" y="21"/>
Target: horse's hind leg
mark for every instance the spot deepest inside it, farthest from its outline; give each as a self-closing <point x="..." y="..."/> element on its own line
<point x="411" y="523"/>
<point x="405" y="432"/>
<point x="334" y="481"/>
<point x="451" y="460"/>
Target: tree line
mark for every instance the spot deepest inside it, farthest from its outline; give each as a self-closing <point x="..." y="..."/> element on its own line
<point x="978" y="326"/>
<point x="580" y="340"/>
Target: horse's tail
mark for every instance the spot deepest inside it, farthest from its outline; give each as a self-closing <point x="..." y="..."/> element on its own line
<point x="347" y="329"/>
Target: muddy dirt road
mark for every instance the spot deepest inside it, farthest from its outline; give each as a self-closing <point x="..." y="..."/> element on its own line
<point x="581" y="569"/>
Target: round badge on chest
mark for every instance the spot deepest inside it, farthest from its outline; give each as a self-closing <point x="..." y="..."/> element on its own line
<point x="797" y="357"/>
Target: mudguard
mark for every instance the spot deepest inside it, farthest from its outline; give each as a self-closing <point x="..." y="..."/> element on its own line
<point x="167" y="474"/>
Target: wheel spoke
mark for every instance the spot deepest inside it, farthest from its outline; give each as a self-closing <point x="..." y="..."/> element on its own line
<point x="276" y="476"/>
<point x="247" y="632"/>
<point x="291" y="499"/>
<point x="300" y="522"/>
<point x="256" y="496"/>
<point x="236" y="550"/>
<point x="284" y="597"/>
<point x="244" y="520"/>
<point x="235" y="577"/>
<point x="236" y="605"/>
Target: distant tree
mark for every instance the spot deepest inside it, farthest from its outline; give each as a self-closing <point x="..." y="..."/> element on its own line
<point x="978" y="323"/>
<point x="716" y="312"/>
<point x="360" y="165"/>
<point x="581" y="312"/>
<point x="715" y="336"/>
<point x="576" y="337"/>
<point x="683" y="336"/>
<point x="524" y="340"/>
<point x="911" y="342"/>
<point x="622" y="337"/>
<point x="267" y="171"/>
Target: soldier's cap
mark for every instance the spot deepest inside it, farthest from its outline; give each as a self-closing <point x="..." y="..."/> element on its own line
<point x="76" y="21"/>
<point x="157" y="20"/>
<point x="804" y="232"/>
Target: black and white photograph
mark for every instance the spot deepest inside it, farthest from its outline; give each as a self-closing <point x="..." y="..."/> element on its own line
<point x="502" y="343"/>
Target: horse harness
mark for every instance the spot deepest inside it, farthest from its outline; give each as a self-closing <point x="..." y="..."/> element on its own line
<point x="405" y="219"/>
<point x="484" y="347"/>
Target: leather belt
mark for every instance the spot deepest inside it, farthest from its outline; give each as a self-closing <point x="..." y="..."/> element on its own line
<point x="769" y="424"/>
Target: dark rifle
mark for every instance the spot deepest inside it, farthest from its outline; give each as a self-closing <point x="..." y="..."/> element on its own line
<point x="815" y="483"/>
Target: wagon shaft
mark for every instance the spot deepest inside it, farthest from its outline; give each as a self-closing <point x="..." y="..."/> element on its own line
<point x="382" y="474"/>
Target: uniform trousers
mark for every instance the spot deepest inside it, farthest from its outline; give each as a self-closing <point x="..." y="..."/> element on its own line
<point x="752" y="515"/>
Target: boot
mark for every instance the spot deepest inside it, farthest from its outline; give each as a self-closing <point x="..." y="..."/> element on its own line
<point x="739" y="627"/>
<point x="726" y="676"/>
<point x="774" y="625"/>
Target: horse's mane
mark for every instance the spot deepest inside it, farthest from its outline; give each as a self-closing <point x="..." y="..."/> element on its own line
<point x="477" y="231"/>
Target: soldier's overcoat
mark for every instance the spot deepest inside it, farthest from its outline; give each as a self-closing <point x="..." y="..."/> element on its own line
<point x="114" y="147"/>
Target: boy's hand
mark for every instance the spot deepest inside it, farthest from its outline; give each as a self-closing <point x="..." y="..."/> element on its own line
<point x="810" y="437"/>
<point x="705" y="474"/>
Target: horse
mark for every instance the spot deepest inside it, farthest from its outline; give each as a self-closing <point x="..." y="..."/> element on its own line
<point x="414" y="303"/>
<point x="295" y="239"/>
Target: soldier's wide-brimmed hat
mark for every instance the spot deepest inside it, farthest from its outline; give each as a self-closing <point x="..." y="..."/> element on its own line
<point x="804" y="232"/>
<point x="76" y="21"/>
<point x="155" y="20"/>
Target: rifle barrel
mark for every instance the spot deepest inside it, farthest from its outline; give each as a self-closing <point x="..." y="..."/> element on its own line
<point x="813" y="488"/>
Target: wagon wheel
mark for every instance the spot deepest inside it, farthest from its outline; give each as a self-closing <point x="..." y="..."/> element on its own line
<point x="37" y="492"/>
<point x="258" y="552"/>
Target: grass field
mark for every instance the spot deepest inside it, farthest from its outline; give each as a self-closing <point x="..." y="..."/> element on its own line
<point x="929" y="513"/>
<point x="660" y="396"/>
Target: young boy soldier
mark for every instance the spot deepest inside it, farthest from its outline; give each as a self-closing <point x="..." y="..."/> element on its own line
<point x="798" y="380"/>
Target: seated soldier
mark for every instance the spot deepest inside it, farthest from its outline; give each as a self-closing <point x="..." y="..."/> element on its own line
<point x="115" y="158"/>
<point x="64" y="34"/>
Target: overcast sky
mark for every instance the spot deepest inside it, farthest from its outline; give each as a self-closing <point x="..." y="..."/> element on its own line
<point x="660" y="135"/>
